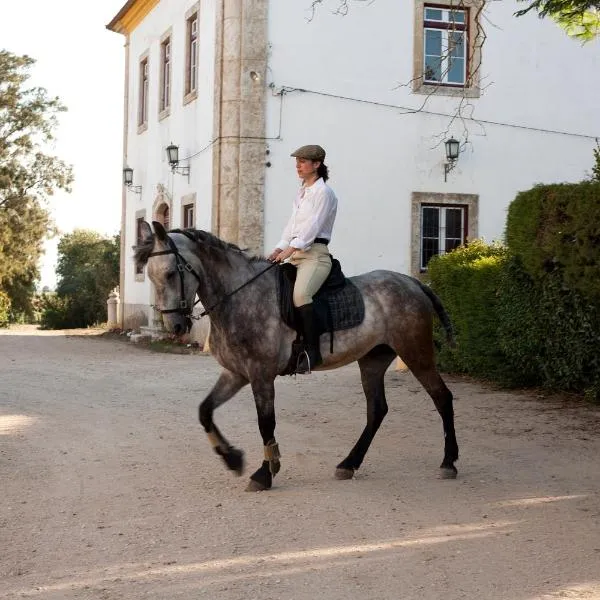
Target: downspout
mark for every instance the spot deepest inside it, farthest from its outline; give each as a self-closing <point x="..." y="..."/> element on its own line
<point x="121" y="317"/>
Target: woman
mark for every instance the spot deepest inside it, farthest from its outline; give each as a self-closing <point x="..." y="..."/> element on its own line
<point x="304" y="242"/>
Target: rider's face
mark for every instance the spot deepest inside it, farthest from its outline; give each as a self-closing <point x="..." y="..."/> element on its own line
<point x="306" y="168"/>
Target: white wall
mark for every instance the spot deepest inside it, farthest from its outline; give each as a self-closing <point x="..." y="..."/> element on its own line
<point x="189" y="126"/>
<point x="536" y="77"/>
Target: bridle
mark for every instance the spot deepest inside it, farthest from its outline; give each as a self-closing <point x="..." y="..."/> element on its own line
<point x="183" y="265"/>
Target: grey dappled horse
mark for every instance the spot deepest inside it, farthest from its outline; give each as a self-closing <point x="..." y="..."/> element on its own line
<point x="253" y="345"/>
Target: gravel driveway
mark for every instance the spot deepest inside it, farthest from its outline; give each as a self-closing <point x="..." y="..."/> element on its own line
<point x="109" y="489"/>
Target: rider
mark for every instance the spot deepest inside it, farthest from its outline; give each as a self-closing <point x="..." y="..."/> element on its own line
<point x="304" y="242"/>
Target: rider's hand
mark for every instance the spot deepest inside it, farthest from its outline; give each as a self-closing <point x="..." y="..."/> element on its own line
<point x="273" y="256"/>
<point x="285" y="254"/>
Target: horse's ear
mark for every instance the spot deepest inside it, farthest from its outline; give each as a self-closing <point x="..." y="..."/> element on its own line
<point x="145" y="232"/>
<point x="161" y="234"/>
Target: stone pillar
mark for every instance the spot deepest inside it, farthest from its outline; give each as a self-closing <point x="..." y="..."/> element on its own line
<point x="113" y="305"/>
<point x="240" y="120"/>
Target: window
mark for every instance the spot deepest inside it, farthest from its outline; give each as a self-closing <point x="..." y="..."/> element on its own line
<point x="448" y="37"/>
<point x="139" y="219"/>
<point x="440" y="223"/>
<point x="163" y="215"/>
<point x="165" y="75"/>
<point x="442" y="230"/>
<point x="445" y="46"/>
<point x="143" y="93"/>
<point x="188" y="216"/>
<point x="191" y="75"/>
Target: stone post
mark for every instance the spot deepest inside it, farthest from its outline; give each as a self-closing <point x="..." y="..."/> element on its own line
<point x="113" y="305"/>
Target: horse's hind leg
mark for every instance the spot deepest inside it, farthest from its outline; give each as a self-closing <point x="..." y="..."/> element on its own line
<point x="422" y="365"/>
<point x="226" y="387"/>
<point x="372" y="371"/>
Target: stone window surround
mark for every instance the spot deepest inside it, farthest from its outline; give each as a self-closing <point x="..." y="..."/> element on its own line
<point x="191" y="96"/>
<point x="139" y="214"/>
<point x="474" y="51"/>
<point x="143" y="126"/>
<point x="185" y="201"/>
<point x="162" y="198"/>
<point x="163" y="114"/>
<point x="470" y="201"/>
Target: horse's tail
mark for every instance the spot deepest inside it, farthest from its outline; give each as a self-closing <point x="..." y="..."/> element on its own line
<point x="441" y="312"/>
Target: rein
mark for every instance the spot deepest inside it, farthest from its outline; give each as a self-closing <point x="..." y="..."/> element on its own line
<point x="182" y="266"/>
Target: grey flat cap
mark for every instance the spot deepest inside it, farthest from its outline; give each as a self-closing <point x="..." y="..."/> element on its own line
<point x="311" y="152"/>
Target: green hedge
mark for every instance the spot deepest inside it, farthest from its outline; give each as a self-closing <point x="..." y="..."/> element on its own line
<point x="467" y="281"/>
<point x="557" y="228"/>
<point x="549" y="334"/>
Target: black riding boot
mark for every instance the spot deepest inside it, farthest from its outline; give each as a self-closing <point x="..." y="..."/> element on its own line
<point x="312" y="355"/>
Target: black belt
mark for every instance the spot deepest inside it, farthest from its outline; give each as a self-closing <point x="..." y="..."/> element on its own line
<point x="321" y="241"/>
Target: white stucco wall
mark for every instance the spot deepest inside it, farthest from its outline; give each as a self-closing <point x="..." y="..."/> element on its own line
<point x="534" y="77"/>
<point x="190" y="126"/>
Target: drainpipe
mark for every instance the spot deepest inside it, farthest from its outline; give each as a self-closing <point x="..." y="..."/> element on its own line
<point x="124" y="193"/>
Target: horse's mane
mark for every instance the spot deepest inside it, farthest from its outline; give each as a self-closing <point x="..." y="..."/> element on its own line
<point x="215" y="246"/>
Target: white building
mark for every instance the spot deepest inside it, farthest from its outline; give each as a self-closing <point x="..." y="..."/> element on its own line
<point x="239" y="84"/>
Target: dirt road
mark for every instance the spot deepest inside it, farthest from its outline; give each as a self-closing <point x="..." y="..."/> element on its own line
<point x="109" y="490"/>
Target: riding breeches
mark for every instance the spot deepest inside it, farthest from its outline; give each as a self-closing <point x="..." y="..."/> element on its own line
<point x="313" y="266"/>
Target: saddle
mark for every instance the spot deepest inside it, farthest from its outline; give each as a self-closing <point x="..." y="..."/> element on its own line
<point x="337" y="305"/>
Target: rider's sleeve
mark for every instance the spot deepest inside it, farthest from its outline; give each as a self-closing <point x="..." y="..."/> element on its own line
<point x="286" y="236"/>
<point x="324" y="209"/>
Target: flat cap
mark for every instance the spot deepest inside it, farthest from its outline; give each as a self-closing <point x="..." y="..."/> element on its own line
<point x="311" y="152"/>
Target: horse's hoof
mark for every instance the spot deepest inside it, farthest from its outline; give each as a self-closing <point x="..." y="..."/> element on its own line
<point x="344" y="473"/>
<point x="448" y="472"/>
<point x="255" y="486"/>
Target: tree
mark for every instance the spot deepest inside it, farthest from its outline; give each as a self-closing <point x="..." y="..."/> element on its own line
<point x="88" y="269"/>
<point x="579" y="18"/>
<point x="28" y="176"/>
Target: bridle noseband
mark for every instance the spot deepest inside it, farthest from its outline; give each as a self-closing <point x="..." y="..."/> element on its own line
<point x="183" y="265"/>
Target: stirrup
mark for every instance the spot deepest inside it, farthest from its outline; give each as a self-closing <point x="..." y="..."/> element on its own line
<point x="303" y="353"/>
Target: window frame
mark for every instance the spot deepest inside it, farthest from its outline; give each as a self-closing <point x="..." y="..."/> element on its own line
<point x="143" y="92"/>
<point x="442" y="239"/>
<point x="188" y="201"/>
<point x="468" y="202"/>
<point x="446" y="27"/>
<point x="192" y="53"/>
<point x="474" y="41"/>
<point x="166" y="70"/>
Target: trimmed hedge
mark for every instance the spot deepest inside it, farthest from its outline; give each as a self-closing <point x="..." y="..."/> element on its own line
<point x="557" y="228"/>
<point x="549" y="334"/>
<point x="467" y="281"/>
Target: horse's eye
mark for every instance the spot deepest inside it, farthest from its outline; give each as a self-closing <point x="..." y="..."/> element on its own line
<point x="171" y="275"/>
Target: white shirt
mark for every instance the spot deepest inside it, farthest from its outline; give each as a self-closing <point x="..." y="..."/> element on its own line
<point x="313" y="215"/>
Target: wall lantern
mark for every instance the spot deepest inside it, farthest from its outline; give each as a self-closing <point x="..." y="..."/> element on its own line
<point x="128" y="181"/>
<point x="173" y="158"/>
<point x="452" y="152"/>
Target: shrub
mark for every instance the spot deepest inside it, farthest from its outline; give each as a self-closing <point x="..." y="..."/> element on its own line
<point x="56" y="312"/>
<point x="467" y="281"/>
<point x="557" y="228"/>
<point x="548" y="333"/>
<point x="4" y="309"/>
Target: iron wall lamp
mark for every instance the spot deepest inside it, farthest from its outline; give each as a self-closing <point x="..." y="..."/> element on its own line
<point x="128" y="181"/>
<point x="452" y="152"/>
<point x="173" y="158"/>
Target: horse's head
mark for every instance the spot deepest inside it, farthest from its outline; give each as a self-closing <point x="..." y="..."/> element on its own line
<point x="168" y="267"/>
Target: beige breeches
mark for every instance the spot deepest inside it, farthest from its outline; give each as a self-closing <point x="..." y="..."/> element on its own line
<point x="313" y="267"/>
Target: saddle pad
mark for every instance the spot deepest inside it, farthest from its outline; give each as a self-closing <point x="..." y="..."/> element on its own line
<point x="337" y="307"/>
<point x="345" y="306"/>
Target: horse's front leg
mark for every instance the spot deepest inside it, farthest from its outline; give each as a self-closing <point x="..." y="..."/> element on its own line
<point x="264" y="397"/>
<point x="226" y="387"/>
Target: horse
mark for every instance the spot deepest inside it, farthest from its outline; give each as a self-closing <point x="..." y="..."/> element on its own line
<point x="252" y="343"/>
